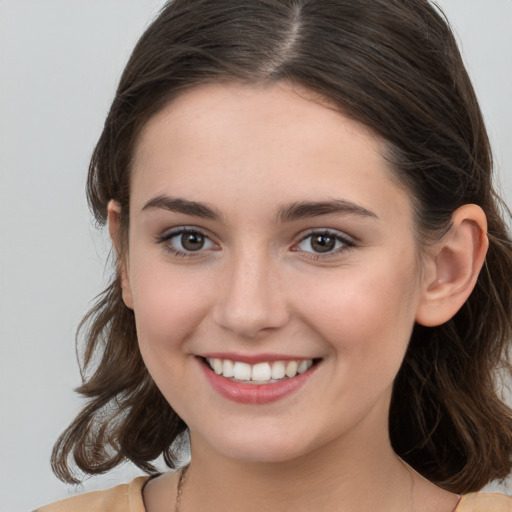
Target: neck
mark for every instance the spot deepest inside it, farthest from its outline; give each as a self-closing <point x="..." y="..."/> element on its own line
<point x="338" y="476"/>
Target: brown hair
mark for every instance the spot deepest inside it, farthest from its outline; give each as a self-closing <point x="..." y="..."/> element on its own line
<point x="394" y="66"/>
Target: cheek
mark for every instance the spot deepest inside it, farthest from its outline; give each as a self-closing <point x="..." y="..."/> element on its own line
<point x="168" y="305"/>
<point x="364" y="312"/>
<point x="168" y="308"/>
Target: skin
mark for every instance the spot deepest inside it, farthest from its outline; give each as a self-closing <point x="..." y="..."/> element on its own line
<point x="258" y="286"/>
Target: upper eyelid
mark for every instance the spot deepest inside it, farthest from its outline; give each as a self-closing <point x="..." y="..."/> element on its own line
<point x="171" y="232"/>
<point x="348" y="244"/>
<point x="164" y="240"/>
<point x="165" y="237"/>
<point x="330" y="231"/>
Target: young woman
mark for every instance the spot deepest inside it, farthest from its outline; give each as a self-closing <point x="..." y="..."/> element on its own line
<point x="313" y="273"/>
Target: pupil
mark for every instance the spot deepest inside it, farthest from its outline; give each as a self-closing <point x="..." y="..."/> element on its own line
<point x="323" y="243"/>
<point x="192" y="241"/>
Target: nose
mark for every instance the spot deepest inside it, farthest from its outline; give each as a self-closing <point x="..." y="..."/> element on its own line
<point x="251" y="300"/>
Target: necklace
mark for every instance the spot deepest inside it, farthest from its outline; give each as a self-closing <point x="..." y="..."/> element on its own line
<point x="179" y="489"/>
<point x="183" y="474"/>
<point x="411" y="476"/>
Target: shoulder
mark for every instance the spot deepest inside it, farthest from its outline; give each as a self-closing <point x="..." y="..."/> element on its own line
<point x="484" y="502"/>
<point x="122" y="498"/>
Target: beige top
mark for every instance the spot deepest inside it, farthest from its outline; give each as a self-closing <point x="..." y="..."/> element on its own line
<point x="128" y="498"/>
<point x="122" y="498"/>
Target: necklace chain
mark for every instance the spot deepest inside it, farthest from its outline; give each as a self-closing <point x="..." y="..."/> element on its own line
<point x="411" y="476"/>
<point x="183" y="474"/>
<point x="179" y="490"/>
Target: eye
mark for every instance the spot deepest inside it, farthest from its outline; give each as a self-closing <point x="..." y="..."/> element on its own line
<point x="324" y="242"/>
<point x="186" y="241"/>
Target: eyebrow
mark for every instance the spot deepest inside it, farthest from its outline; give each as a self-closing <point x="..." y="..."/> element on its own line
<point x="178" y="205"/>
<point x="308" y="209"/>
<point x="287" y="213"/>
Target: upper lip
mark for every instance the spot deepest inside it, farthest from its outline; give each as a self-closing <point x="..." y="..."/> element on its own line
<point x="254" y="358"/>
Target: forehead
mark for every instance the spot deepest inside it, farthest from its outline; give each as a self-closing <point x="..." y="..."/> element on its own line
<point x="230" y="140"/>
<point x="235" y="105"/>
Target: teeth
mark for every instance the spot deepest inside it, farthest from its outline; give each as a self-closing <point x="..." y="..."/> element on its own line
<point x="260" y="372"/>
<point x="217" y="366"/>
<point x="291" y="368"/>
<point x="278" y="370"/>
<point x="241" y="371"/>
<point x="303" y="366"/>
<point x="227" y="368"/>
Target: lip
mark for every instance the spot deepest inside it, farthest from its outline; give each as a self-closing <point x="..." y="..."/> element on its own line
<point x="255" y="393"/>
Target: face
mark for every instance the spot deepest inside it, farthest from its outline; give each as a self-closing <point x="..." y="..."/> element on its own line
<point x="272" y="268"/>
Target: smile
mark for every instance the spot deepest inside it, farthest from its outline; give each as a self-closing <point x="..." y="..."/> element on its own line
<point x="261" y="382"/>
<point x="260" y="373"/>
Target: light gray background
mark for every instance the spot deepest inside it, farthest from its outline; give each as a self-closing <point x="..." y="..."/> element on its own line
<point x="59" y="64"/>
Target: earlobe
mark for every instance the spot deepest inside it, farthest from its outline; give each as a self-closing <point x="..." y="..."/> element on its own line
<point x="114" y="228"/>
<point x="456" y="262"/>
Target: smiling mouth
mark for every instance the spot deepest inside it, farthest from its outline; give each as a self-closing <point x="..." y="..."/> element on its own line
<point x="259" y="373"/>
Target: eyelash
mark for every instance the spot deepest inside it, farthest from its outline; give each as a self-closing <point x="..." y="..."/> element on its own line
<point x="165" y="239"/>
<point x="346" y="243"/>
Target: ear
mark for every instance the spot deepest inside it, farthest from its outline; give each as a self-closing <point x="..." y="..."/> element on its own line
<point x="114" y="228"/>
<point x="453" y="266"/>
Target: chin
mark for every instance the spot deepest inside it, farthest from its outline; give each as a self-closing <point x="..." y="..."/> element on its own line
<point x="256" y="445"/>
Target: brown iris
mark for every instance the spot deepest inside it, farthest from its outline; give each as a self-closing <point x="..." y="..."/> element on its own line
<point x="323" y="242"/>
<point x="192" y="241"/>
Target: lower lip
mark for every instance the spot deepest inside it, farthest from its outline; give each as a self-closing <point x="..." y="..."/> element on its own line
<point x="255" y="393"/>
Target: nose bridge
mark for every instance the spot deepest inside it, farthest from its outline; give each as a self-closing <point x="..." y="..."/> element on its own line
<point x="251" y="299"/>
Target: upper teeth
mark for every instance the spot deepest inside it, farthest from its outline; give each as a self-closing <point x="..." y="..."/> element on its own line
<point x="260" y="372"/>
